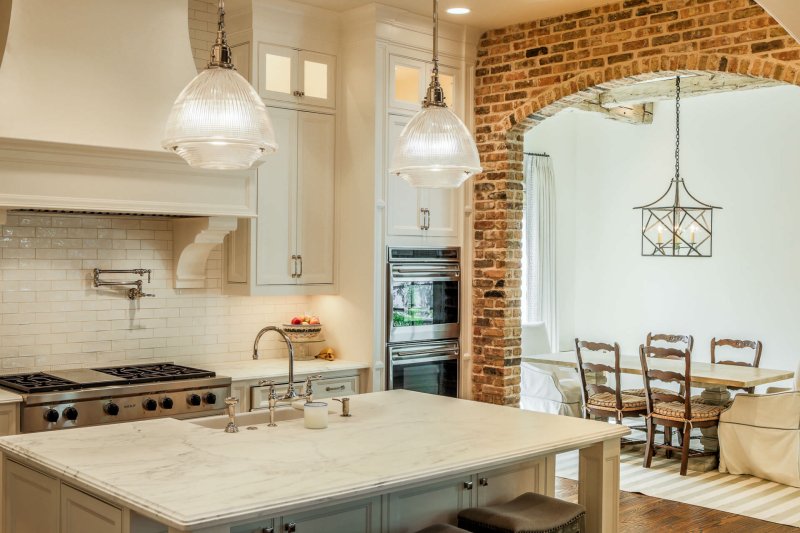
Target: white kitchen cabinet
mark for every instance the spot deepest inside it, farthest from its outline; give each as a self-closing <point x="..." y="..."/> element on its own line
<point x="417" y="212"/>
<point x="357" y="517"/>
<point x="296" y="76"/>
<point x="411" y="510"/>
<point x="30" y="500"/>
<point x="9" y="419"/>
<point x="323" y="388"/>
<point x="505" y="484"/>
<point x="408" y="84"/>
<point x="291" y="243"/>
<point x="81" y="513"/>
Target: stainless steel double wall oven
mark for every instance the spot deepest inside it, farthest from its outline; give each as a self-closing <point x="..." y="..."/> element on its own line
<point x="423" y="319"/>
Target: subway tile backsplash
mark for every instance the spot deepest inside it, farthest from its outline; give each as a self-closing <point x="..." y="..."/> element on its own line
<point x="52" y="317"/>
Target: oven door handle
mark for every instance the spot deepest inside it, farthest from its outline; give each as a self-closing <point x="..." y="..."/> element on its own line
<point x="415" y="360"/>
<point x="418" y="277"/>
<point x="427" y="270"/>
<point x="444" y="353"/>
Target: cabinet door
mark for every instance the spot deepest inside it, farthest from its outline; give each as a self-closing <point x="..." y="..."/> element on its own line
<point x="403" y="215"/>
<point x="277" y="73"/>
<point x="443" y="209"/>
<point x="407" y="83"/>
<point x="414" y="509"/>
<point x="81" y="513"/>
<point x="30" y="500"/>
<point x="275" y="238"/>
<point x="9" y="419"/>
<point x="262" y="526"/>
<point x="317" y="79"/>
<point x="505" y="484"/>
<point x="357" y="517"/>
<point x="315" y="197"/>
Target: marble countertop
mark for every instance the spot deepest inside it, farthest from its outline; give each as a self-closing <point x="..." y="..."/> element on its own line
<point x="187" y="476"/>
<point x="9" y="397"/>
<point x="272" y="368"/>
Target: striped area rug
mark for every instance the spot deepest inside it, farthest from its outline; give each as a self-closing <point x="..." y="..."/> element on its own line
<point x="742" y="495"/>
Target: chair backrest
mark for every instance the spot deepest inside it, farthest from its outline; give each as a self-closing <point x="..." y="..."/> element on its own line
<point x="684" y="379"/>
<point x="756" y="346"/>
<point x="589" y="389"/>
<point x="687" y="341"/>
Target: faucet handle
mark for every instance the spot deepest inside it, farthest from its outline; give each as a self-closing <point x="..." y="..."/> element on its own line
<point x="231" y="402"/>
<point x="271" y="384"/>
<point x="309" y="392"/>
<point x="345" y="405"/>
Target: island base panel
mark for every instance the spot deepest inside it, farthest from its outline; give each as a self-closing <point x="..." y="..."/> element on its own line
<point x="598" y="486"/>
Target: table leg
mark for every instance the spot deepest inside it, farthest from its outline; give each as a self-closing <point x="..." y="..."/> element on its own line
<point x="715" y="395"/>
<point x="598" y="486"/>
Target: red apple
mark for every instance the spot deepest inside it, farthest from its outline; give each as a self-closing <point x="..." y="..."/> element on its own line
<point x="296" y="321"/>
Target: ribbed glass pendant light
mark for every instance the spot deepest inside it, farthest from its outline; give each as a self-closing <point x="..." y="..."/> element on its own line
<point x="435" y="149"/>
<point x="219" y="121"/>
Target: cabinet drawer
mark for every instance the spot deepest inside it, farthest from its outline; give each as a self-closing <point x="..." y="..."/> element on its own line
<point x="324" y="388"/>
<point x="328" y="388"/>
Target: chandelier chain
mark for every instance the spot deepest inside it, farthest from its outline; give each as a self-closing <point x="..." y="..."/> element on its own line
<point x="677" y="127"/>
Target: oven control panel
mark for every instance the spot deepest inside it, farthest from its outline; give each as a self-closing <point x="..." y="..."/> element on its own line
<point x="81" y="412"/>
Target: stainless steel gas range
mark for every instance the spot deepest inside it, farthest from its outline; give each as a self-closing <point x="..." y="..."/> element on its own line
<point x="62" y="399"/>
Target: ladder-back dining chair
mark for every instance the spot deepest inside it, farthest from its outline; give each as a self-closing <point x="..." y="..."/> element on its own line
<point x="673" y="409"/>
<point x="602" y="400"/>
<point x="755" y="346"/>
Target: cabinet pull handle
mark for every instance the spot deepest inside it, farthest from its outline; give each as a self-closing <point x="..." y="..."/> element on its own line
<point x="268" y="530"/>
<point x="291" y="527"/>
<point x="427" y="219"/>
<point x="300" y="274"/>
<point x="299" y="93"/>
<point x="329" y="389"/>
<point x="484" y="482"/>
<point x="468" y="485"/>
<point x="294" y="266"/>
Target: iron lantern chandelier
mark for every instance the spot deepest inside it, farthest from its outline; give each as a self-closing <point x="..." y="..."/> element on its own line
<point x="680" y="226"/>
<point x="218" y="121"/>
<point x="435" y="149"/>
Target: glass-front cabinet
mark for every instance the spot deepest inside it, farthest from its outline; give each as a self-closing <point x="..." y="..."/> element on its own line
<point x="297" y="76"/>
<point x="409" y="80"/>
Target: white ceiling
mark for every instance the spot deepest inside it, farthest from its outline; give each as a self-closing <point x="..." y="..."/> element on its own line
<point x="486" y="14"/>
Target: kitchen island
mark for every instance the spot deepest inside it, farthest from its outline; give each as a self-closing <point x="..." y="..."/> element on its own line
<point x="402" y="461"/>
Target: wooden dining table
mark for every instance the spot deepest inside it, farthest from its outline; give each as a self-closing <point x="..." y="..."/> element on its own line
<point x="714" y="379"/>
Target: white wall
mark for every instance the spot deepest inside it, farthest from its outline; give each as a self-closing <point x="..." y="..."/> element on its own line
<point x="52" y="317"/>
<point x="739" y="151"/>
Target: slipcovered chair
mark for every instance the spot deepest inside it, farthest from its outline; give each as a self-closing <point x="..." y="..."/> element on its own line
<point x="760" y="435"/>
<point x="546" y="388"/>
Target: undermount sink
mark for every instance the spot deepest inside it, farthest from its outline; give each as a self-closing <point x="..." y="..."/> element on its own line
<point x="253" y="418"/>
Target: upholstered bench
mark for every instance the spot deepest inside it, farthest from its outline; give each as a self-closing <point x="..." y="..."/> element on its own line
<point x="529" y="513"/>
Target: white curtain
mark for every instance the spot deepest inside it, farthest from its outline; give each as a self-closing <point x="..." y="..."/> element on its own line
<point x="539" y="246"/>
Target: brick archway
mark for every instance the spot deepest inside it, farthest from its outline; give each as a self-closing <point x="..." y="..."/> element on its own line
<point x="529" y="72"/>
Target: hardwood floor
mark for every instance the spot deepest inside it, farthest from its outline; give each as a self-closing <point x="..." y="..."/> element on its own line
<point x="640" y="513"/>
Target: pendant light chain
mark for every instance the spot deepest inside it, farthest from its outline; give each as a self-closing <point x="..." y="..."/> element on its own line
<point x="677" y="127"/>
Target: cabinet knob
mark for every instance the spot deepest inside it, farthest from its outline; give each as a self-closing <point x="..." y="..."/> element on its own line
<point x="468" y="485"/>
<point x="291" y="527"/>
<point x="299" y="93"/>
<point x="484" y="482"/>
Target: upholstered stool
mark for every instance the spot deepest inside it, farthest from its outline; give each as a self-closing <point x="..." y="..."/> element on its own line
<point x="529" y="513"/>
<point x="442" y="528"/>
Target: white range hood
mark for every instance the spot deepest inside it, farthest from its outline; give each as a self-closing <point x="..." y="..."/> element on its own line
<point x="85" y="89"/>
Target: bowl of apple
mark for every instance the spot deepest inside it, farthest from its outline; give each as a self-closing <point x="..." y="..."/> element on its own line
<point x="303" y="328"/>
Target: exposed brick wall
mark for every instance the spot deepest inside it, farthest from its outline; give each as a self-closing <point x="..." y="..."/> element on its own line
<point x="527" y="72"/>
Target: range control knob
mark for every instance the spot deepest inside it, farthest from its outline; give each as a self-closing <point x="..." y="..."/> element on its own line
<point x="111" y="409"/>
<point x="194" y="399"/>
<point x="167" y="403"/>
<point x="70" y="413"/>
<point x="51" y="415"/>
<point x="211" y="398"/>
<point x="150" y="404"/>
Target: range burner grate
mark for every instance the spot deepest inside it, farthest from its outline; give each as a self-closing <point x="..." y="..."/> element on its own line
<point x="37" y="382"/>
<point x="155" y="372"/>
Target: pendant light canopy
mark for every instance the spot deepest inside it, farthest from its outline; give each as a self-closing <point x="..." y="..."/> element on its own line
<point x="218" y="121"/>
<point x="435" y="149"/>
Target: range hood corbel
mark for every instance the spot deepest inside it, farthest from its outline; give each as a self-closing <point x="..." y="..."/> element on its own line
<point x="194" y="239"/>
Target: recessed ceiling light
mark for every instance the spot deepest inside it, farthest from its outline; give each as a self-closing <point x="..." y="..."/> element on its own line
<point x="458" y="10"/>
